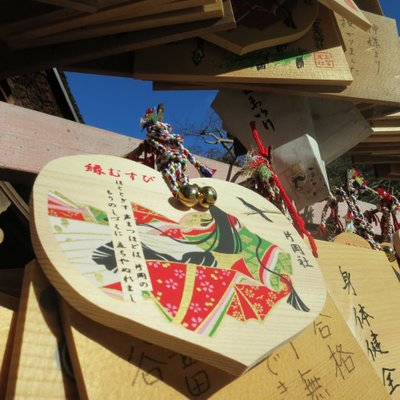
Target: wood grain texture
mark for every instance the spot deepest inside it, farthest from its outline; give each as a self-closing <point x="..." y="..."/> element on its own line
<point x="317" y="58"/>
<point x="325" y="353"/>
<point x="37" y="364"/>
<point x="150" y="19"/>
<point x="27" y="133"/>
<point x="8" y="315"/>
<point x="91" y="49"/>
<point x="349" y="10"/>
<point x="337" y="126"/>
<point x="198" y="319"/>
<point x="243" y="39"/>
<point x="373" y="59"/>
<point x="113" y="13"/>
<point x="352" y="239"/>
<point x="364" y="287"/>
<point x="90" y="6"/>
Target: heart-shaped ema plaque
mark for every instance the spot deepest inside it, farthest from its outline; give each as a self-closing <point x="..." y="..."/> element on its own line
<point x="225" y="285"/>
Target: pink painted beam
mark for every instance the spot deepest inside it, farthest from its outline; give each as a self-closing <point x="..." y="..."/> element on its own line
<point x="30" y="139"/>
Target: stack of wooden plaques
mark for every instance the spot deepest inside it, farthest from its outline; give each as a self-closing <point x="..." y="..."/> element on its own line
<point x="345" y="56"/>
<point x="49" y="350"/>
<point x="88" y="30"/>
<point x="60" y="340"/>
<point x="339" y="50"/>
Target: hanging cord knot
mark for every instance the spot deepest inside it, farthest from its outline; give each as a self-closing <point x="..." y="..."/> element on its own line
<point x="297" y="221"/>
<point x="164" y="150"/>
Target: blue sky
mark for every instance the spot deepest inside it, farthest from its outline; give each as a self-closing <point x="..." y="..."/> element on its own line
<point x="116" y="104"/>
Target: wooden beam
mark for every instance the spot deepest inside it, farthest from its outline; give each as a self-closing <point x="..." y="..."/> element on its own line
<point x="117" y="65"/>
<point x="82" y="22"/>
<point x="90" y="6"/>
<point x="30" y="22"/>
<point x="161" y="15"/>
<point x="30" y="60"/>
<point x="30" y="139"/>
<point x="372" y="6"/>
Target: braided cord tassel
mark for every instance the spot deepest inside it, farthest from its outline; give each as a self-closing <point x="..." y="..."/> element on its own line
<point x="171" y="154"/>
<point x="297" y="221"/>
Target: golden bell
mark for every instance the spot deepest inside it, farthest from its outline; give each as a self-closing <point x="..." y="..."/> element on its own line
<point x="188" y="195"/>
<point x="207" y="196"/>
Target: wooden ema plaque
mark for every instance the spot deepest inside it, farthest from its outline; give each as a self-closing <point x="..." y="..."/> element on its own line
<point x="317" y="58"/>
<point x="364" y="287"/>
<point x="373" y="57"/>
<point x="337" y="126"/>
<point x="348" y="9"/>
<point x="39" y="365"/>
<point x="247" y="37"/>
<point x="352" y="239"/>
<point x="323" y="362"/>
<point x="161" y="15"/>
<point x="8" y="314"/>
<point x="225" y="286"/>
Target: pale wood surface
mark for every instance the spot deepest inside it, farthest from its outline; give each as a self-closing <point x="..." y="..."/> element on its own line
<point x="36" y="367"/>
<point x="352" y="239"/>
<point x="349" y="10"/>
<point x="26" y="132"/>
<point x="337" y="126"/>
<point x="373" y="57"/>
<point x="84" y="282"/>
<point x="243" y="39"/>
<point x="8" y="314"/>
<point x="149" y="371"/>
<point x="369" y="306"/>
<point x="324" y="61"/>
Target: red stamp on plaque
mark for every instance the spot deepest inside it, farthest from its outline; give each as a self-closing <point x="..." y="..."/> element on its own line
<point x="323" y="59"/>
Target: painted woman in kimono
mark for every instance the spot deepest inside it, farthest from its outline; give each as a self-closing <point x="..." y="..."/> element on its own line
<point x="209" y="265"/>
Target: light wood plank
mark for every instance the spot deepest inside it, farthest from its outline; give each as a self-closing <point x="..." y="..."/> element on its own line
<point x="91" y="49"/>
<point x="365" y="289"/>
<point x="27" y="132"/>
<point x="37" y="362"/>
<point x="373" y="57"/>
<point x="8" y="314"/>
<point x="349" y="10"/>
<point x="114" y="13"/>
<point x="325" y="351"/>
